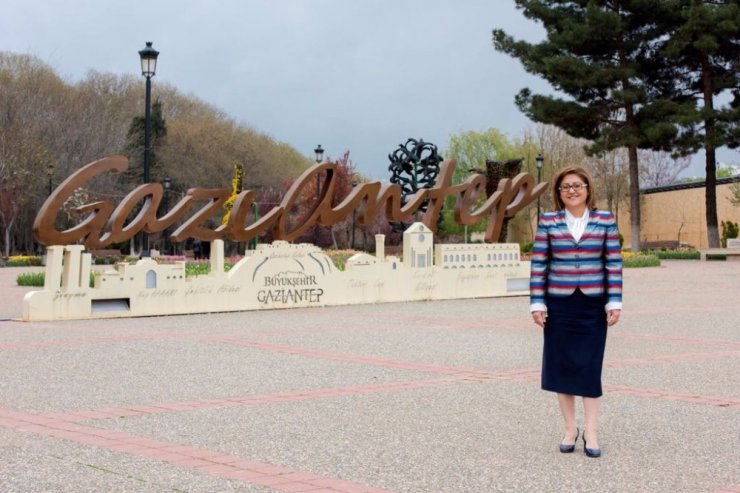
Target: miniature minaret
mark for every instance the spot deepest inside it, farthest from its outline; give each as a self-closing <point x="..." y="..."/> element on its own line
<point x="380" y="248"/>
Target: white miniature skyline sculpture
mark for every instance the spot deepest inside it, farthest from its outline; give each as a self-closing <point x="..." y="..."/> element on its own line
<point x="277" y="275"/>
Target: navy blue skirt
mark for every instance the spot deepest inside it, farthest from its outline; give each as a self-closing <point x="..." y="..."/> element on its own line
<point x="575" y="338"/>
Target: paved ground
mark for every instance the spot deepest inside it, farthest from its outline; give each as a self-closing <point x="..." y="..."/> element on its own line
<point x="412" y="397"/>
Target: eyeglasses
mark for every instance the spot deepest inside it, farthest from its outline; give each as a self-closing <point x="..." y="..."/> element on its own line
<point x="576" y="187"/>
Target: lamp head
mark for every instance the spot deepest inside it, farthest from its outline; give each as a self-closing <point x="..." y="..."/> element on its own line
<point x="319" y="153"/>
<point x="148" y="60"/>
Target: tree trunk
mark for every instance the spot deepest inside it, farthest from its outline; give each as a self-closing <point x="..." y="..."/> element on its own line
<point x="7" y="235"/>
<point x="333" y="238"/>
<point x="7" y="243"/>
<point x="634" y="199"/>
<point x="634" y="170"/>
<point x="710" y="198"/>
<point x="710" y="194"/>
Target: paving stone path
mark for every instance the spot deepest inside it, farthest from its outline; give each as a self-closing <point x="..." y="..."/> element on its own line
<point x="409" y="397"/>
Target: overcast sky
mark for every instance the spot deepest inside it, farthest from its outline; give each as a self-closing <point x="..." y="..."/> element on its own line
<point x="358" y="75"/>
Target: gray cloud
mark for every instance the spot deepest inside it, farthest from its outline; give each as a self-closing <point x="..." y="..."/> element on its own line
<point x="362" y="75"/>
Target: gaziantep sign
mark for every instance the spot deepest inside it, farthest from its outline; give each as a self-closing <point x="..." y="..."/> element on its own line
<point x="105" y="223"/>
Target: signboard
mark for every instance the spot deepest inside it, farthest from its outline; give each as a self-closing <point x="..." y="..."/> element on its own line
<point x="105" y="223"/>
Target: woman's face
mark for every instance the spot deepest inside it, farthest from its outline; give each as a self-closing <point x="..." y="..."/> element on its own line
<point x="573" y="191"/>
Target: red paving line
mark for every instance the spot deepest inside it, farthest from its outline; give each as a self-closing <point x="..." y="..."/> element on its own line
<point x="681" y="340"/>
<point x="669" y="359"/>
<point x="678" y="309"/>
<point x="450" y="370"/>
<point x="209" y="462"/>
<point x="452" y="323"/>
<point x="98" y="340"/>
<point x="456" y="374"/>
<point x="674" y="396"/>
<point x="351" y="358"/>
<point x="66" y="421"/>
<point x="456" y="323"/>
<point x="452" y="374"/>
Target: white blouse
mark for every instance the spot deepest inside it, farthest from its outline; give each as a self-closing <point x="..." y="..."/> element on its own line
<point x="576" y="225"/>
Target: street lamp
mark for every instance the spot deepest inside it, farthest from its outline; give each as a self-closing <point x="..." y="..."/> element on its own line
<point x="319" y="152"/>
<point x="167" y="185"/>
<point x="539" y="160"/>
<point x="354" y="184"/>
<point x="319" y="157"/>
<point x="50" y="172"/>
<point x="148" y="58"/>
<point x="256" y="212"/>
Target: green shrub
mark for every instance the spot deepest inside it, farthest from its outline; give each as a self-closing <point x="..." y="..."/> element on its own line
<point x="30" y="279"/>
<point x="641" y="260"/>
<point x="110" y="260"/>
<point x="36" y="279"/>
<point x="197" y="268"/>
<point x="717" y="257"/>
<point x="340" y="257"/>
<point x="203" y="267"/>
<point x="23" y="261"/>
<point x="729" y="230"/>
<point x="673" y="254"/>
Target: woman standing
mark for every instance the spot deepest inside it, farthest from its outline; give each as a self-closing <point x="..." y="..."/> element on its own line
<point x="576" y="292"/>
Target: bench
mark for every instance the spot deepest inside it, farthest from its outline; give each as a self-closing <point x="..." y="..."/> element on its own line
<point x="663" y="245"/>
<point x="729" y="253"/>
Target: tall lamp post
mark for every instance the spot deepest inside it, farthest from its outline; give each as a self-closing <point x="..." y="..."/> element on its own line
<point x="319" y="152"/>
<point x="166" y="202"/>
<point x="148" y="58"/>
<point x="50" y="172"/>
<point x="354" y="184"/>
<point x="256" y="212"/>
<point x="539" y="160"/>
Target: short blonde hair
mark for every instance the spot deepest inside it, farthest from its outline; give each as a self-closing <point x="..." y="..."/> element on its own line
<point x="583" y="175"/>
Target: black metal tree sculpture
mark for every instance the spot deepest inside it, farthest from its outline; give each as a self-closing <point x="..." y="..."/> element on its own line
<point x="414" y="165"/>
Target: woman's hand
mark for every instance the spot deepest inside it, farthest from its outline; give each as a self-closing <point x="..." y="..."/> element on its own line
<point x="539" y="318"/>
<point x="612" y="317"/>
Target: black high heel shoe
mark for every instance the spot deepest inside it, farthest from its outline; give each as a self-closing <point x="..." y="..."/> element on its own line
<point x="567" y="449"/>
<point x="590" y="452"/>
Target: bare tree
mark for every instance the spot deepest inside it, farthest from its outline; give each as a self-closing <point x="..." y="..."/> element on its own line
<point x="658" y="169"/>
<point x="49" y="128"/>
<point x="610" y="171"/>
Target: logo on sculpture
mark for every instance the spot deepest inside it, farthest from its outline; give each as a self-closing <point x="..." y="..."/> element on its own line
<point x="105" y="223"/>
<point x="290" y="287"/>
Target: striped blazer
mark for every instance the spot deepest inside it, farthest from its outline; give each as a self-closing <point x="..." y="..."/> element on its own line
<point x="560" y="264"/>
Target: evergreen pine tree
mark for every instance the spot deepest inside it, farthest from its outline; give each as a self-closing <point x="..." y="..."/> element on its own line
<point x="134" y="149"/>
<point x="597" y="53"/>
<point x="700" y="64"/>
